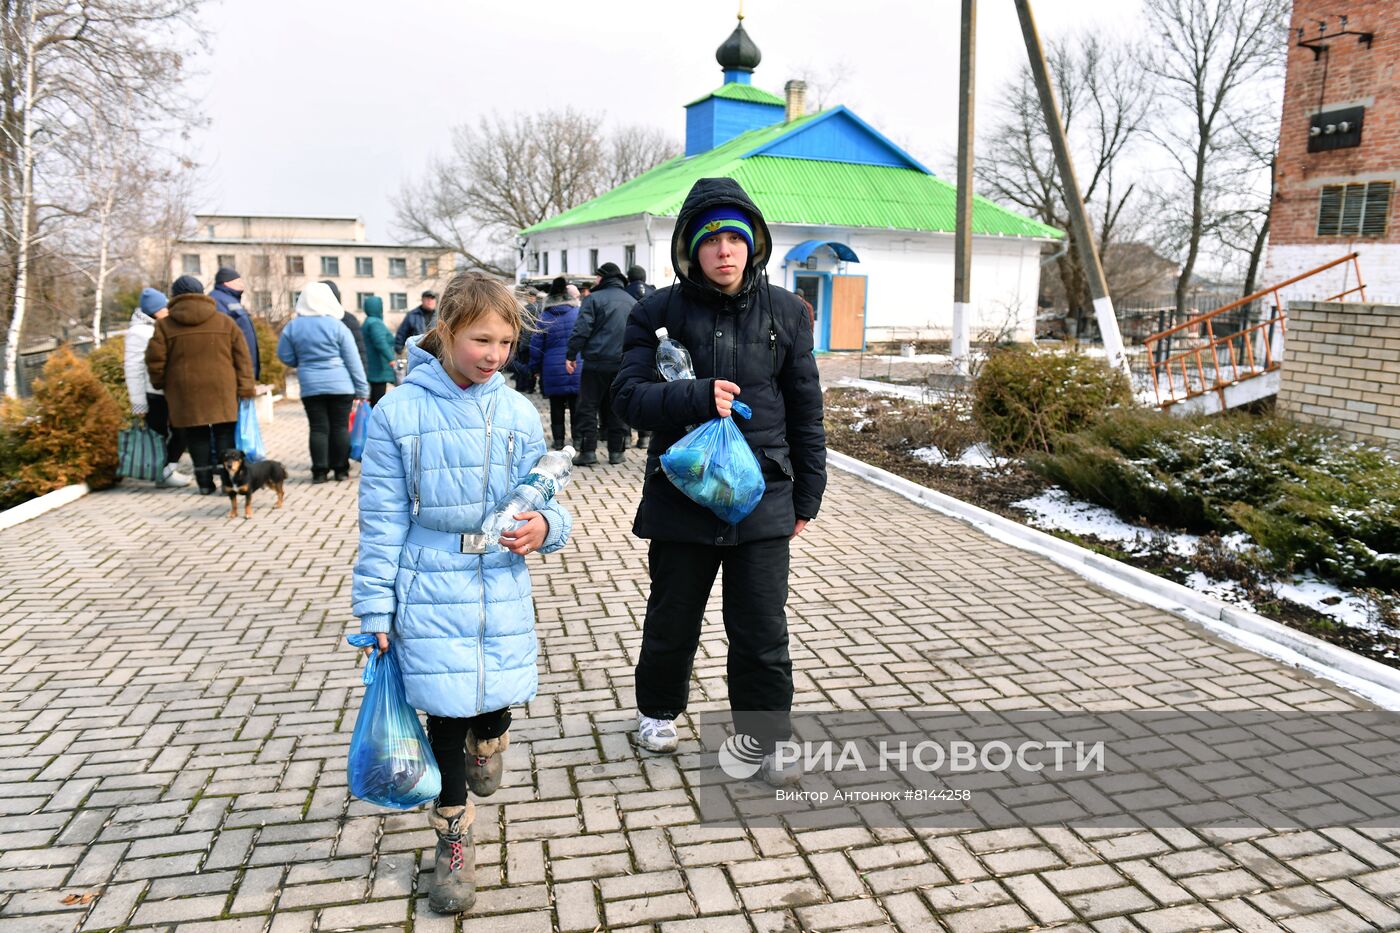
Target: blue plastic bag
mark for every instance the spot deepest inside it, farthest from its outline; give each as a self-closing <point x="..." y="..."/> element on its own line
<point x="249" y="436"/>
<point x="714" y="467"/>
<point x="359" y="428"/>
<point x="391" y="763"/>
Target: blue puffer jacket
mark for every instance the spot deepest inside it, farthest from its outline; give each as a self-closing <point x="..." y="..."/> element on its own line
<point x="549" y="346"/>
<point x="322" y="348"/>
<point x="463" y="624"/>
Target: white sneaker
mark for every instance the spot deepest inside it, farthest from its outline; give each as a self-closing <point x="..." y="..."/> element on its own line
<point x="657" y="735"/>
<point x="173" y="477"/>
<point x="775" y="775"/>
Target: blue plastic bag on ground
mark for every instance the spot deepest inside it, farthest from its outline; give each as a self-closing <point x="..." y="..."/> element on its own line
<point x="359" y="428"/>
<point x="391" y="763"/>
<point x="249" y="436"/>
<point x="714" y="467"/>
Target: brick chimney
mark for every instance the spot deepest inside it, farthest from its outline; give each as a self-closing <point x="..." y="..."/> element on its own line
<point x="796" y="92"/>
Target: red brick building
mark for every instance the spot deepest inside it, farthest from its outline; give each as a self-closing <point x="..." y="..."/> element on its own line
<point x="1338" y="162"/>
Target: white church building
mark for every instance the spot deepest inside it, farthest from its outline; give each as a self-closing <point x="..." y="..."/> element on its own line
<point x="858" y="224"/>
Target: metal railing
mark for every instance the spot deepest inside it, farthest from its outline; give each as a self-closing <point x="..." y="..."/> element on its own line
<point x="1215" y="362"/>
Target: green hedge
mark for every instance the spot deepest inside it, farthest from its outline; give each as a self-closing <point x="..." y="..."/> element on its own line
<point x="1312" y="500"/>
<point x="1025" y="400"/>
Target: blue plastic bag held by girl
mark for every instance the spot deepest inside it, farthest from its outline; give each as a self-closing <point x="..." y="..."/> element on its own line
<point x="714" y="467"/>
<point x="391" y="763"/>
<point x="248" y="436"/>
<point x="359" y="428"/>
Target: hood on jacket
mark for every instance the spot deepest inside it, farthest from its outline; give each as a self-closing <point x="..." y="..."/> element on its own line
<point x="707" y="194"/>
<point x="140" y="318"/>
<point x="317" y="300"/>
<point x="426" y="370"/>
<point x="192" y="309"/>
<point x="553" y="301"/>
<point x="374" y="307"/>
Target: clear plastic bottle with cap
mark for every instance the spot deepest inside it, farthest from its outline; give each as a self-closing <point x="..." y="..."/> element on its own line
<point x="672" y="359"/>
<point x="551" y="474"/>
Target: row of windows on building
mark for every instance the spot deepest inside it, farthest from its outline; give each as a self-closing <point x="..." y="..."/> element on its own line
<point x="540" y="261"/>
<point x="262" y="300"/>
<point x="330" y="266"/>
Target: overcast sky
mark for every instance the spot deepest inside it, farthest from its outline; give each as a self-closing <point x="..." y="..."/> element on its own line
<point x="326" y="106"/>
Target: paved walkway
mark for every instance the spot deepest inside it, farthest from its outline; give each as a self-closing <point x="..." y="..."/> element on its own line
<point x="176" y="703"/>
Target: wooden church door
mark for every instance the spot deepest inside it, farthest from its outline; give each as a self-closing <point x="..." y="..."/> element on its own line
<point x="847" y="312"/>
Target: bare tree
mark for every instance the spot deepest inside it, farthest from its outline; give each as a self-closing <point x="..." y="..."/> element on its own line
<point x="823" y="83"/>
<point x="66" y="65"/>
<point x="1105" y="101"/>
<point x="633" y="150"/>
<point x="1212" y="56"/>
<point x="508" y="173"/>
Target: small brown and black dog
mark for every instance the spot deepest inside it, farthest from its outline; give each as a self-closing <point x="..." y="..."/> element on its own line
<point x="248" y="478"/>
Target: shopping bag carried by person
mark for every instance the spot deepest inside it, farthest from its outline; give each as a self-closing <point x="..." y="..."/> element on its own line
<point x="359" y="428"/>
<point x="248" y="436"/>
<point x="391" y="763"/>
<point x="140" y="454"/>
<point x="714" y="466"/>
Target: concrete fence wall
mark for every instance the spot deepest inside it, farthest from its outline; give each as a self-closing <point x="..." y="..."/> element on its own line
<point x="1342" y="369"/>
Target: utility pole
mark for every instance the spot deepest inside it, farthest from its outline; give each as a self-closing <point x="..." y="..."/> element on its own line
<point x="962" y="245"/>
<point x="1079" y="220"/>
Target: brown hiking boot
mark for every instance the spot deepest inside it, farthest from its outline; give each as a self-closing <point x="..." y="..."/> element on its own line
<point x="485" y="763"/>
<point x="453" y="888"/>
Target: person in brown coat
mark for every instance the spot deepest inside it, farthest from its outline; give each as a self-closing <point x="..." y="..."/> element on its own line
<point x="200" y="359"/>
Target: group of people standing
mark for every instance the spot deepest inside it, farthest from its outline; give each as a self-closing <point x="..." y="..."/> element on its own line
<point x="189" y="360"/>
<point x="576" y="352"/>
<point x="186" y="373"/>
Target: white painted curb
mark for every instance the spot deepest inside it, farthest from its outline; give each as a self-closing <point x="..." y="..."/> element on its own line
<point x="1375" y="681"/>
<point x="38" y="506"/>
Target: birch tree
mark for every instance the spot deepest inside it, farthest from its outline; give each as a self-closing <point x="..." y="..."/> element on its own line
<point x="66" y="68"/>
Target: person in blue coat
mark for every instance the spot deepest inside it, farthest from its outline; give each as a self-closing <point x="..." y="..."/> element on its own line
<point x="548" y="348"/>
<point x="228" y="298"/>
<point x="331" y="376"/>
<point x="443" y="449"/>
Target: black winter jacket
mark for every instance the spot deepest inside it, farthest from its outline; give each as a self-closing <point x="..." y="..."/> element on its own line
<point x="757" y="338"/>
<point x="602" y="318"/>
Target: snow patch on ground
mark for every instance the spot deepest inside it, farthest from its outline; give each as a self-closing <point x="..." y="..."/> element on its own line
<point x="1055" y="509"/>
<point x="978" y="456"/>
<point x="914" y="393"/>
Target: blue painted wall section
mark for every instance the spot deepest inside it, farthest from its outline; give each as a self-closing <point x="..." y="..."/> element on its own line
<point x="733" y="76"/>
<point x="840" y="136"/>
<point x="716" y="120"/>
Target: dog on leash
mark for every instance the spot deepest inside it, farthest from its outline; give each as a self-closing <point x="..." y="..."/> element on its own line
<point x="247" y="478"/>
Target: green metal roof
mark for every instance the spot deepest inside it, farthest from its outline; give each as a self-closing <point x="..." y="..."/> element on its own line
<point x="802" y="191"/>
<point x="747" y="92"/>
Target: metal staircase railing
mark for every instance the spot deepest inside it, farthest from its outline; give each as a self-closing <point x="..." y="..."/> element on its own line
<point x="1215" y="362"/>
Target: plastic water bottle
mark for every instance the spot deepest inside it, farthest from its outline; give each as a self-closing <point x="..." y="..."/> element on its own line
<point x="551" y="474"/>
<point x="672" y="359"/>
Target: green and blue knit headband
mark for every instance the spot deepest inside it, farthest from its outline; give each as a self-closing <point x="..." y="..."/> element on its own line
<point x="719" y="220"/>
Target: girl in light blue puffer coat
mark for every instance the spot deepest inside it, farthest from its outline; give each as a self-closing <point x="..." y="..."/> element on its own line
<point x="443" y="448"/>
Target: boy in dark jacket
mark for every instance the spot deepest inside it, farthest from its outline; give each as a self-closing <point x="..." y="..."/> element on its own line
<point x="747" y="338"/>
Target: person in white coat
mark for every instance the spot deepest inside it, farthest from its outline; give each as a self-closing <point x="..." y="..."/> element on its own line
<point x="146" y="399"/>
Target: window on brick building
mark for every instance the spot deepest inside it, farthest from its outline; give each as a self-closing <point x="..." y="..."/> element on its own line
<point x="1354" y="210"/>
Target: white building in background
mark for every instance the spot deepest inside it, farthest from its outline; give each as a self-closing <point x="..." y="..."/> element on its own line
<point x="279" y="254"/>
<point x="863" y="229"/>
